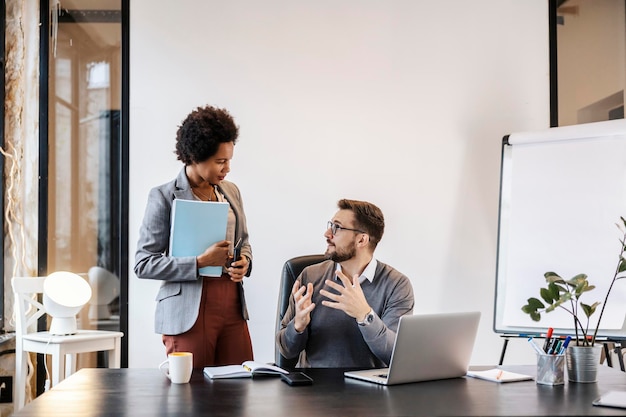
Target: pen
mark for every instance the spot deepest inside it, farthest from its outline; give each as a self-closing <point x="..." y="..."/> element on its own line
<point x="238" y="243"/>
<point x="567" y="340"/>
<point x="499" y="375"/>
<point x="539" y="351"/>
<point x="553" y="347"/>
<point x="546" y="344"/>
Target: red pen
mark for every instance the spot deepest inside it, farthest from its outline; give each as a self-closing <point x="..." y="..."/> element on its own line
<point x="546" y="344"/>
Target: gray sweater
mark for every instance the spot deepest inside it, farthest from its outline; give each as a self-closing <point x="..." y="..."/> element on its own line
<point x="335" y="340"/>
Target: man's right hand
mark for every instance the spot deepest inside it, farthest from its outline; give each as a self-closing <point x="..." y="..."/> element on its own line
<point x="302" y="298"/>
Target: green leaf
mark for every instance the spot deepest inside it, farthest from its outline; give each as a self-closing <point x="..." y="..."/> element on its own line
<point x="577" y="280"/>
<point x="535" y="316"/>
<point x="553" y="277"/>
<point x="546" y="294"/>
<point x="555" y="290"/>
<point x="535" y="303"/>
<point x="622" y="265"/>
<point x="589" y="309"/>
<point x="585" y="287"/>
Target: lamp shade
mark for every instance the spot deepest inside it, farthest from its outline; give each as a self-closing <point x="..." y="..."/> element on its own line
<point x="105" y="285"/>
<point x="64" y="294"/>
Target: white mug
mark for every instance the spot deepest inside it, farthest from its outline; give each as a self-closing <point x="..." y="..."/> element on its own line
<point x="179" y="367"/>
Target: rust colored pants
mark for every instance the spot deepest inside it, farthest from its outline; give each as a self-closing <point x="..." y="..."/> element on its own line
<point x="220" y="335"/>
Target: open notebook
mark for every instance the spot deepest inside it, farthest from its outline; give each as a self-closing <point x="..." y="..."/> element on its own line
<point x="427" y="347"/>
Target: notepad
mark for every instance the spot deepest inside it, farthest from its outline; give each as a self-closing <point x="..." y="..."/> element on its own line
<point x="245" y="370"/>
<point x="195" y="226"/>
<point x="612" y="399"/>
<point x="499" y="375"/>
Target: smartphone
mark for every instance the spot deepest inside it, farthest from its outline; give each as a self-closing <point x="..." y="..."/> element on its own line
<point x="296" y="378"/>
<point x="235" y="257"/>
<point x="236" y="254"/>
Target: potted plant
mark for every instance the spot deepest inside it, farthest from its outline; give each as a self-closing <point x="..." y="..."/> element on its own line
<point x="567" y="294"/>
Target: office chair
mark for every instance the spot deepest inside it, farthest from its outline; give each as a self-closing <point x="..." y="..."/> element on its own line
<point x="291" y="270"/>
<point x="62" y="349"/>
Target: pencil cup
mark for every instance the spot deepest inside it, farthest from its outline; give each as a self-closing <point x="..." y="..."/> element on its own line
<point x="177" y="367"/>
<point x="550" y="369"/>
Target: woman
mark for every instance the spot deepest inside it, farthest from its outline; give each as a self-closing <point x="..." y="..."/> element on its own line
<point x="203" y="315"/>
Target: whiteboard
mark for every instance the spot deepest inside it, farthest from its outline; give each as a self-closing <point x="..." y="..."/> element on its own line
<point x="562" y="192"/>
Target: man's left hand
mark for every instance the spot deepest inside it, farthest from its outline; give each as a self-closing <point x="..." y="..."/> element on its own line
<point x="349" y="298"/>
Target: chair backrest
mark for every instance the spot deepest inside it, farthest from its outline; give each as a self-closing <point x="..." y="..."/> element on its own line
<point x="291" y="271"/>
<point x="27" y="306"/>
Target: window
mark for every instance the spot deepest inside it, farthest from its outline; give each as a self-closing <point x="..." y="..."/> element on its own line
<point x="83" y="154"/>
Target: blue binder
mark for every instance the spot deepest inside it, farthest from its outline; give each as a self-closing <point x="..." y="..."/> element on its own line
<point x="195" y="226"/>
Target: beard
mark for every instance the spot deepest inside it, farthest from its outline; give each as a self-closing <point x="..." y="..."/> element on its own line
<point x="341" y="254"/>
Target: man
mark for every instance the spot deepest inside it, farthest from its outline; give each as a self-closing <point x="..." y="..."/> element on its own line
<point x="344" y="312"/>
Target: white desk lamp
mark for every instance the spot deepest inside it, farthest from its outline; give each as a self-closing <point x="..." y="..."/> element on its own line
<point x="64" y="294"/>
<point x="105" y="285"/>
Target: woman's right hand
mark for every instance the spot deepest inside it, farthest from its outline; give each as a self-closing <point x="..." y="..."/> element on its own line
<point x="215" y="255"/>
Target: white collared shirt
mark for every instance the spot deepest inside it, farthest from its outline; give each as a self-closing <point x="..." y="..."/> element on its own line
<point x="368" y="272"/>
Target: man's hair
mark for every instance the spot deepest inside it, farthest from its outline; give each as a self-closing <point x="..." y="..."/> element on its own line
<point x="368" y="217"/>
<point x="201" y="133"/>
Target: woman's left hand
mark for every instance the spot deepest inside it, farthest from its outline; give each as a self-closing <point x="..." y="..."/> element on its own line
<point x="238" y="269"/>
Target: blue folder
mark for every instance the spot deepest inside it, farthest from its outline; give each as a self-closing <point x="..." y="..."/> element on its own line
<point x="195" y="226"/>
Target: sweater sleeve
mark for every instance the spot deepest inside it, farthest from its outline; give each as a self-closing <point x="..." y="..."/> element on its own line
<point x="289" y="341"/>
<point x="380" y="335"/>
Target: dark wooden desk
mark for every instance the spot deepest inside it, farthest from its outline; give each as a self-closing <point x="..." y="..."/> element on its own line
<point x="146" y="392"/>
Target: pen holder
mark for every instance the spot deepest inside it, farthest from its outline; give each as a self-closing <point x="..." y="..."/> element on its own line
<point x="550" y="369"/>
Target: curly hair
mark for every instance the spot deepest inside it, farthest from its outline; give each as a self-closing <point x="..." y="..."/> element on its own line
<point x="200" y="134"/>
<point x="368" y="218"/>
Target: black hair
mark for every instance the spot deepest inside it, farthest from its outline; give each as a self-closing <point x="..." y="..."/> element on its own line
<point x="201" y="133"/>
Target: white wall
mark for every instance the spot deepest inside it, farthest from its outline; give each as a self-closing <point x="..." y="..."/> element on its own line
<point x="402" y="103"/>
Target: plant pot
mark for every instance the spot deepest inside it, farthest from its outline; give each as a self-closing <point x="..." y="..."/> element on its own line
<point x="582" y="363"/>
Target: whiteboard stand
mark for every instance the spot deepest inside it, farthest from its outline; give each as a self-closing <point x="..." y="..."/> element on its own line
<point x="505" y="344"/>
<point x="507" y="337"/>
<point x="617" y="349"/>
<point x="620" y="355"/>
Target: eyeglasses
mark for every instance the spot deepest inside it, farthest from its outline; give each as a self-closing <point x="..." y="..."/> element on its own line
<point x="334" y="227"/>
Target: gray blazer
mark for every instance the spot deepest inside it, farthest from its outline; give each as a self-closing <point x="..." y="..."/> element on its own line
<point x="178" y="299"/>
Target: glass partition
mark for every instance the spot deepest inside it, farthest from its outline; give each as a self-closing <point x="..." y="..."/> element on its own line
<point x="590" y="60"/>
<point x="84" y="151"/>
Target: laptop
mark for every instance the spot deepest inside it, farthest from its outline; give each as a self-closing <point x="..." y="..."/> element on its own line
<point x="427" y="347"/>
